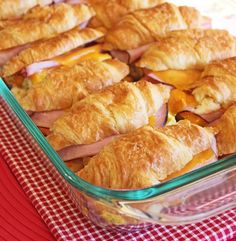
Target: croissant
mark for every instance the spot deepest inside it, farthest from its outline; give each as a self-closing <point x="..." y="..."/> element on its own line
<point x="145" y="26"/>
<point x="226" y="128"/>
<point x="50" y="48"/>
<point x="15" y="8"/>
<point x="146" y="156"/>
<point x="54" y="19"/>
<point x="217" y="86"/>
<point x="116" y="110"/>
<point x="61" y="87"/>
<point x="188" y="49"/>
<point x="114" y="9"/>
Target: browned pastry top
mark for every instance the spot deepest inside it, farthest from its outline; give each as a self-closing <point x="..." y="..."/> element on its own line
<point x="146" y="156"/>
<point x="109" y="12"/>
<point x="52" y="20"/>
<point x="217" y="86"/>
<point x="188" y="49"/>
<point x="49" y="48"/>
<point x="148" y="25"/>
<point x="117" y="109"/>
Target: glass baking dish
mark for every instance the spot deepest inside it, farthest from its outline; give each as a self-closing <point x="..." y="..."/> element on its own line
<point x="192" y="197"/>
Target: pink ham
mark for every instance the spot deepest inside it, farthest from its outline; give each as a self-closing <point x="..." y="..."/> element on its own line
<point x="129" y="56"/>
<point x="207" y="118"/>
<point x="162" y="116"/>
<point x="84" y="24"/>
<point x="7" y="54"/>
<point x="151" y="77"/>
<point x="78" y="151"/>
<point x="39" y="66"/>
<point x="45" y="119"/>
<point x="210" y="117"/>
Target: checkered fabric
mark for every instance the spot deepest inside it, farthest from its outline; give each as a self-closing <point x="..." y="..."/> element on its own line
<point x="49" y="194"/>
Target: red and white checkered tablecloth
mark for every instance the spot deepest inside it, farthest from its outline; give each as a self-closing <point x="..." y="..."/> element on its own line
<point x="45" y="188"/>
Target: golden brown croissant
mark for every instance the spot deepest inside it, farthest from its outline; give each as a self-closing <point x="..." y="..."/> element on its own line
<point x="188" y="49"/>
<point x="15" y="8"/>
<point x="49" y="48"/>
<point x="217" y="86"/>
<point x="61" y="87"/>
<point x="108" y="12"/>
<point x="146" y="156"/>
<point x="145" y="26"/>
<point x="226" y="128"/>
<point x="116" y="110"/>
<point x="55" y="19"/>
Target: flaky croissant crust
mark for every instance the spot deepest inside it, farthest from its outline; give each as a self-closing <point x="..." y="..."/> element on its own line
<point x="217" y="86"/>
<point x="116" y="110"/>
<point x="115" y="9"/>
<point x="188" y="49"/>
<point x="14" y="8"/>
<point x="145" y="26"/>
<point x="226" y="128"/>
<point x="49" y="48"/>
<point x="55" y="19"/>
<point x="146" y="156"/>
<point x="63" y="86"/>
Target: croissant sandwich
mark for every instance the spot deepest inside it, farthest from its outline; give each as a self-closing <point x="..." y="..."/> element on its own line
<point x="148" y="156"/>
<point x="226" y="131"/>
<point x="47" y="49"/>
<point x="135" y="31"/>
<point x="95" y="120"/>
<point x="10" y="9"/>
<point x="180" y="58"/>
<point x="114" y="9"/>
<point x="55" y="90"/>
<point x="40" y="23"/>
<point x="188" y="49"/>
<point x="215" y="92"/>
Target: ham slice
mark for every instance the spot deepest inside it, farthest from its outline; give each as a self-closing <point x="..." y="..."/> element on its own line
<point x="84" y="25"/>
<point x="210" y="117"/>
<point x="78" y="151"/>
<point x="129" y="56"/>
<point x="161" y="116"/>
<point x="39" y="66"/>
<point x="45" y="119"/>
<point x="200" y="119"/>
<point x="155" y="77"/>
<point x="7" y="54"/>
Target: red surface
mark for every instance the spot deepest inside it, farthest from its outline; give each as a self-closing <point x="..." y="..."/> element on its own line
<point x="18" y="218"/>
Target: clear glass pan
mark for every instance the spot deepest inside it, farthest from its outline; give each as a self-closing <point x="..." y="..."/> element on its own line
<point x="190" y="198"/>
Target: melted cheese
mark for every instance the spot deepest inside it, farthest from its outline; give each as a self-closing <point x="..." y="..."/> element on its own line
<point x="180" y="100"/>
<point x="79" y="55"/>
<point x="181" y="79"/>
<point x="152" y="121"/>
<point x="198" y="160"/>
<point x="72" y="58"/>
<point x="37" y="77"/>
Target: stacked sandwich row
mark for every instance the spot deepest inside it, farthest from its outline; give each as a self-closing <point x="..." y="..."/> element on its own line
<point x="129" y="96"/>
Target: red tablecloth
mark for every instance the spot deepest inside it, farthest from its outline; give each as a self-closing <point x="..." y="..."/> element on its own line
<point x="41" y="183"/>
<point x="18" y="218"/>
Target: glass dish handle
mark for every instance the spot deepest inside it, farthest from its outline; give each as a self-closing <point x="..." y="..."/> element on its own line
<point x="188" y="204"/>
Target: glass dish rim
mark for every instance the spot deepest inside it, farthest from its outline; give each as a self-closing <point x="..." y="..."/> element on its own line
<point x="100" y="192"/>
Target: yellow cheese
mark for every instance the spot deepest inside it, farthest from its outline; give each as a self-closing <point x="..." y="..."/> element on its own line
<point x="197" y="160"/>
<point x="37" y="77"/>
<point x="152" y="121"/>
<point x="179" y="100"/>
<point x="82" y="54"/>
<point x="181" y="79"/>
